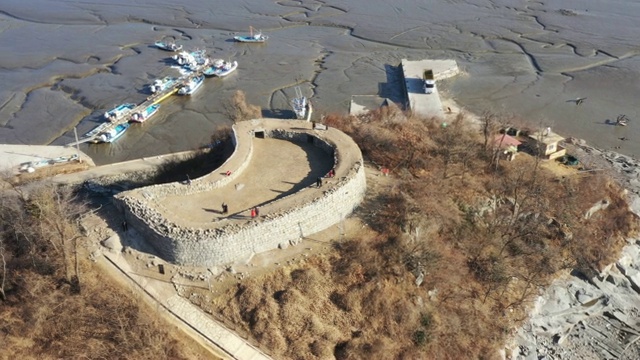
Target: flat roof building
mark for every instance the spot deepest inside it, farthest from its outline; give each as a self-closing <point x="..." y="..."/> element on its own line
<point x="546" y="144"/>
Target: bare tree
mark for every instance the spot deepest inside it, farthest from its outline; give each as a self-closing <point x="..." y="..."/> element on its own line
<point x="454" y="145"/>
<point x="490" y="127"/>
<point x="57" y="210"/>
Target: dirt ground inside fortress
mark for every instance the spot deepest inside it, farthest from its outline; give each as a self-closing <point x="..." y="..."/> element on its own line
<point x="277" y="168"/>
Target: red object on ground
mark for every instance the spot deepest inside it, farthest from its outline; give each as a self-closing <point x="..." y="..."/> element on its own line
<point x="228" y="172"/>
<point x="385" y="171"/>
<point x="253" y="213"/>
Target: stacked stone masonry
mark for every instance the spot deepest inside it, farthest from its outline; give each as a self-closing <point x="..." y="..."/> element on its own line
<point x="211" y="245"/>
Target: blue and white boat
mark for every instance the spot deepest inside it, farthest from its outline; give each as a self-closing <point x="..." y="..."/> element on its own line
<point x="118" y="111"/>
<point x="145" y="114"/>
<point x="221" y="68"/>
<point x="209" y="71"/>
<point x="192" y="85"/>
<point x="160" y="85"/>
<point x="113" y="134"/>
<point x="252" y="38"/>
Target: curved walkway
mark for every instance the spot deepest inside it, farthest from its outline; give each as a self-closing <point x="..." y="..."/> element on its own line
<point x="226" y="343"/>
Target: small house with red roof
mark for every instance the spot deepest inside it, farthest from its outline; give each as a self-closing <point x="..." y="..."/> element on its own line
<point x="508" y="145"/>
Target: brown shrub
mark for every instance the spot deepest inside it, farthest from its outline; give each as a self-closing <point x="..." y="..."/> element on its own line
<point x="237" y="108"/>
<point x="484" y="235"/>
<point x="44" y="313"/>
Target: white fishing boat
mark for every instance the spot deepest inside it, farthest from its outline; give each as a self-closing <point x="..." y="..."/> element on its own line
<point x="193" y="61"/>
<point x="221" y="68"/>
<point x="182" y="57"/>
<point x="201" y="60"/>
<point x="257" y="37"/>
<point x="193" y="84"/>
<point x="113" y="134"/>
<point x="118" y="111"/>
<point x="145" y="114"/>
<point x="96" y="130"/>
<point x="168" y="46"/>
<point x="160" y="85"/>
<point x="301" y="105"/>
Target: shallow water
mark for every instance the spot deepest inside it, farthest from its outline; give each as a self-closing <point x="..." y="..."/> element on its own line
<point x="69" y="61"/>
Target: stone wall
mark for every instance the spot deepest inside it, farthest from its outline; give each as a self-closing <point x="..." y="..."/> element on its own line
<point x="241" y="154"/>
<point x="235" y="241"/>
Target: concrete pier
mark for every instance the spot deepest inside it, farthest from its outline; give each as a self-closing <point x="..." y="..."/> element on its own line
<point x="417" y="101"/>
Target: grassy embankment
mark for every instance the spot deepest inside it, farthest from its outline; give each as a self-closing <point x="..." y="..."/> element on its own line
<point x="55" y="303"/>
<point x="485" y="235"/>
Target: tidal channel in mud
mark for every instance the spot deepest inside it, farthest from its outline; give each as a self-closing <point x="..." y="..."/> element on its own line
<point x="65" y="63"/>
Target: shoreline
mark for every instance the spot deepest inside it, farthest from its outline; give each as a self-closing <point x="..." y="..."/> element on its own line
<point x="574" y="317"/>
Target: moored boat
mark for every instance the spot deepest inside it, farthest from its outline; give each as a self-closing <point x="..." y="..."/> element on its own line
<point x="193" y="84"/>
<point x="183" y="57"/>
<point x="221" y="68"/>
<point x="96" y="130"/>
<point x="168" y="46"/>
<point x="160" y="85"/>
<point x="210" y="70"/>
<point x="114" y="134"/>
<point x="118" y="111"/>
<point x="200" y="60"/>
<point x="301" y="105"/>
<point x="193" y="61"/>
<point x="257" y="37"/>
<point x="145" y="114"/>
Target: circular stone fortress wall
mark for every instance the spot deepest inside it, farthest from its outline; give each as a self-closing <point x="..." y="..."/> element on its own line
<point x="185" y="226"/>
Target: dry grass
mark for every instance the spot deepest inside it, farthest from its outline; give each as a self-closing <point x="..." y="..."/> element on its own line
<point x="58" y="307"/>
<point x="485" y="234"/>
<point x="237" y="108"/>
